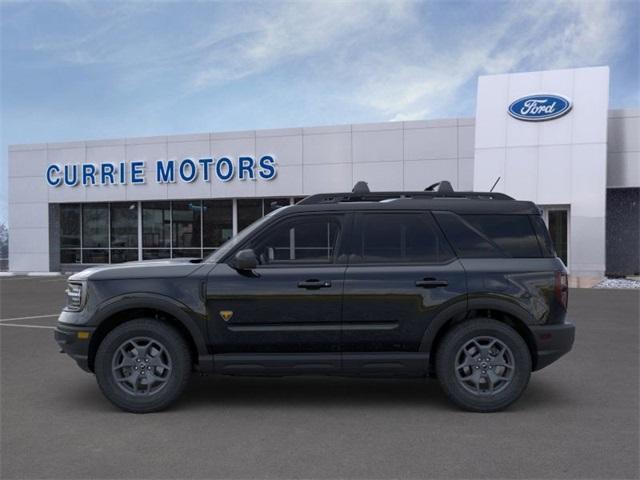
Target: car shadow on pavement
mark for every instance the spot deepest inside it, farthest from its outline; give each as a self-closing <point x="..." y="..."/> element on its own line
<point x="311" y="392"/>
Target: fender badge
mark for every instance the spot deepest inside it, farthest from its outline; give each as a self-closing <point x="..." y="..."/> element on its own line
<point x="226" y="315"/>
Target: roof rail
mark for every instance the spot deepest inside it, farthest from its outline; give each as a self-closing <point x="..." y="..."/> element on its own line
<point x="361" y="193"/>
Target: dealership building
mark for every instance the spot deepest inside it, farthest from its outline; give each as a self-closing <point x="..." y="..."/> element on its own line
<point x="548" y="137"/>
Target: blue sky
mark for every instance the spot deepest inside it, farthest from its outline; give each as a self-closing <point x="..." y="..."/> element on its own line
<point x="82" y="70"/>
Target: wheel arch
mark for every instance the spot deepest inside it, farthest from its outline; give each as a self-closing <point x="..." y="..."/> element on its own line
<point x="498" y="309"/>
<point x="121" y="310"/>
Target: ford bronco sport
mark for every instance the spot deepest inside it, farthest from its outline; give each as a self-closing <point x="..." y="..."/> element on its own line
<point x="463" y="286"/>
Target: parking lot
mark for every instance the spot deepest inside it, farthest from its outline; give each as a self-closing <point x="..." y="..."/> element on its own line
<point x="578" y="418"/>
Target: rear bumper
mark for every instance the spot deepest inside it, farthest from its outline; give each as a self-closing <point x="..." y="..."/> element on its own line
<point x="552" y="342"/>
<point x="67" y="338"/>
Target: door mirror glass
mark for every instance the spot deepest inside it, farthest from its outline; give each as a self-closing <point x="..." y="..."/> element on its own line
<point x="245" y="260"/>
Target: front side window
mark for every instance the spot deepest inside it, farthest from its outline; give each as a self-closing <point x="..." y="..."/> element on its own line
<point x="302" y="240"/>
<point x="399" y="238"/>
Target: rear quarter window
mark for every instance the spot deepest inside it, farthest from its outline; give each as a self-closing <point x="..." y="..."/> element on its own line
<point x="491" y="235"/>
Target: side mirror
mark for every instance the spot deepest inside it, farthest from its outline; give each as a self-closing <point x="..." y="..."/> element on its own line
<point x="245" y="260"/>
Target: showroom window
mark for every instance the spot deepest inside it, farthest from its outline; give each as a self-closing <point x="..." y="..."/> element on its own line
<point x="186" y="229"/>
<point x="70" y="237"/>
<point x="95" y="233"/>
<point x="108" y="232"/>
<point x="124" y="232"/>
<point x="156" y="230"/>
<point x="217" y="224"/>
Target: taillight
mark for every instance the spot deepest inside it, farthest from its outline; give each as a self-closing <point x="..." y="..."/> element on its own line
<point x="562" y="288"/>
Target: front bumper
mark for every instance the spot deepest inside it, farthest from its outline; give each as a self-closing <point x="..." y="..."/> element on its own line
<point x="74" y="341"/>
<point x="552" y="342"/>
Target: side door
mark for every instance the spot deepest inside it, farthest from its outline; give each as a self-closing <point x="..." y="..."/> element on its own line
<point x="401" y="274"/>
<point x="291" y="303"/>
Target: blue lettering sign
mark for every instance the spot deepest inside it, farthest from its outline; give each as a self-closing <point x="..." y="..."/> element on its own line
<point x="52" y="180"/>
<point x="224" y="165"/>
<point x="267" y="168"/>
<point x="166" y="171"/>
<point x="137" y="173"/>
<point x="188" y="174"/>
<point x="165" y="174"/>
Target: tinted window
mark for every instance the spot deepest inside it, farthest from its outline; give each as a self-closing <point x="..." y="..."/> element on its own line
<point x="543" y="236"/>
<point x="467" y="242"/>
<point x="249" y="210"/>
<point x="400" y="238"/>
<point x="217" y="222"/>
<point x="513" y="234"/>
<point x="307" y="239"/>
<point x="95" y="226"/>
<point x="481" y="236"/>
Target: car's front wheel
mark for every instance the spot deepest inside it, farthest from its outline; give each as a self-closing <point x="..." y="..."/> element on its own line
<point x="483" y="365"/>
<point x="143" y="365"/>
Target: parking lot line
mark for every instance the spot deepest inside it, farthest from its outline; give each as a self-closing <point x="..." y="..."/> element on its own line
<point x="28" y="318"/>
<point x="25" y="326"/>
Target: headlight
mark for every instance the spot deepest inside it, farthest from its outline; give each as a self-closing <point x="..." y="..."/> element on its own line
<point x="75" y="296"/>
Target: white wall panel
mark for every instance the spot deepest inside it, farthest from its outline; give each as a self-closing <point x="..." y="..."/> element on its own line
<point x="431" y="143"/>
<point x="380" y="175"/>
<point x="287" y="149"/>
<point x="377" y="146"/>
<point x="27" y="163"/>
<point x="322" y="149"/>
<point x="29" y="262"/>
<point x="419" y="174"/>
<point x="554" y="175"/>
<point x="591" y="105"/>
<point x="521" y="173"/>
<point x="336" y="177"/>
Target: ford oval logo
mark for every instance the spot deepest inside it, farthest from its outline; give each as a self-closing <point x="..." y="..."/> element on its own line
<point x="536" y="108"/>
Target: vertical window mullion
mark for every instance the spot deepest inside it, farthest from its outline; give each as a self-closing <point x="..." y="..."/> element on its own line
<point x="234" y="213"/>
<point x="201" y="229"/>
<point x="139" y="231"/>
<point x="109" y="232"/>
<point x="81" y="234"/>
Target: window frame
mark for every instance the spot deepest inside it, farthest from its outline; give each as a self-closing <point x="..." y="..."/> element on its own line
<point x="342" y="240"/>
<point x="357" y="230"/>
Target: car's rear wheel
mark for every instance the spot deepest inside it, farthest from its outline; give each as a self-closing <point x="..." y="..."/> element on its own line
<point x="483" y="365"/>
<point x="143" y="365"/>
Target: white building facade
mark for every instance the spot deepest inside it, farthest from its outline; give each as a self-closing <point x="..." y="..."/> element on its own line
<point x="106" y="201"/>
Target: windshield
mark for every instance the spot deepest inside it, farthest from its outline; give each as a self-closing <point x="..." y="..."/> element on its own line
<point x="230" y="244"/>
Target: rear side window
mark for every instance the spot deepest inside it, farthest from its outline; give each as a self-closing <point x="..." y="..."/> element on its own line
<point x="513" y="234"/>
<point x="492" y="235"/>
<point x="399" y="238"/>
<point x="544" y="239"/>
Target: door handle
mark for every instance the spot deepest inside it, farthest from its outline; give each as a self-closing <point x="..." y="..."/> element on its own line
<point x="314" y="284"/>
<point x="431" y="283"/>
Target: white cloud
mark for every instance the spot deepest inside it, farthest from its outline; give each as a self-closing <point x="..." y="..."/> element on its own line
<point x="534" y="36"/>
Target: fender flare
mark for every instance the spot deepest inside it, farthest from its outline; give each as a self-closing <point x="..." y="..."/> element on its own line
<point x="460" y="309"/>
<point x="159" y="302"/>
<point x="455" y="310"/>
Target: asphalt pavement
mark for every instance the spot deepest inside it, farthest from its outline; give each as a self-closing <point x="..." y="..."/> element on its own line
<point x="577" y="419"/>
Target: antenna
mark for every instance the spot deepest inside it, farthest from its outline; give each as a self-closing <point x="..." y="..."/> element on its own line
<point x="494" y="185"/>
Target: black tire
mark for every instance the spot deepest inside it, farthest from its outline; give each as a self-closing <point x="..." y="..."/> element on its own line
<point x="453" y="365"/>
<point x="175" y="369"/>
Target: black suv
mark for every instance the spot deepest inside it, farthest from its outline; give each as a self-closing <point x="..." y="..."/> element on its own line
<point x="463" y="286"/>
